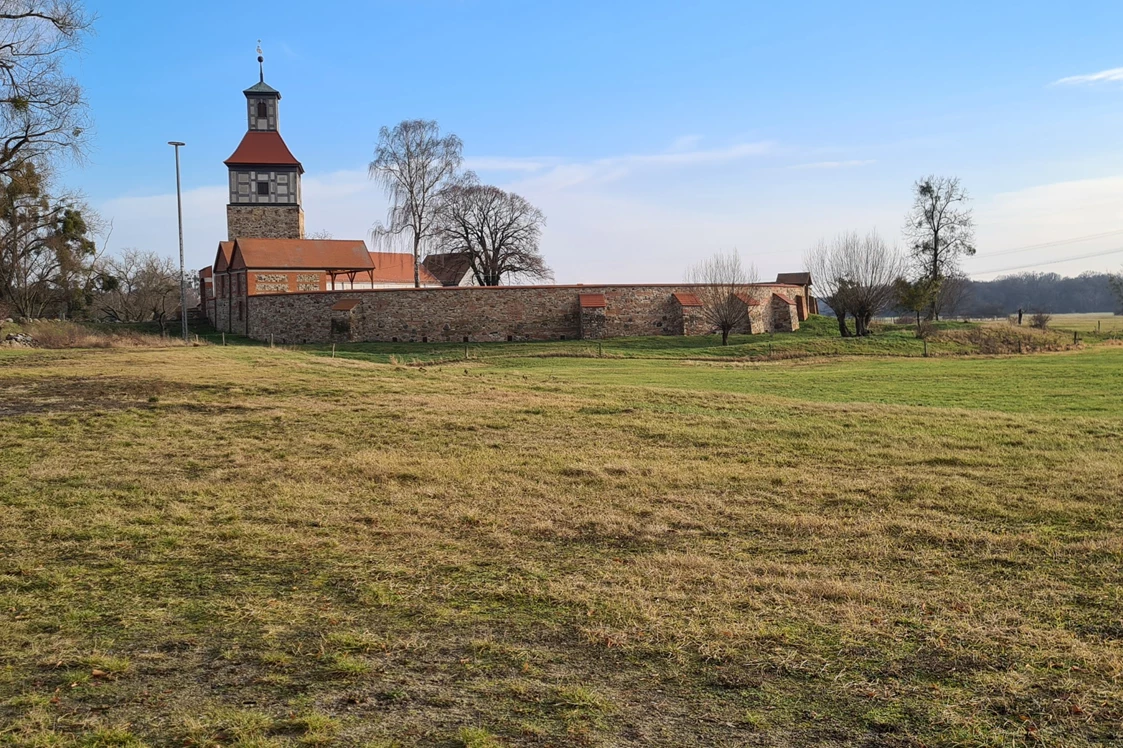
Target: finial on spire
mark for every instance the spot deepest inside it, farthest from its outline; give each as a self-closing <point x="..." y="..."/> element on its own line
<point x="260" y="62"/>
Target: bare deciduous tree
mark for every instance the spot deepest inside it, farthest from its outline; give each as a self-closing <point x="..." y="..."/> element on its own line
<point x="140" y="286"/>
<point x="940" y="228"/>
<point x="499" y="231"/>
<point x="41" y="108"/>
<point x="952" y="293"/>
<point x="857" y="276"/>
<point x="413" y="162"/>
<point x="723" y="285"/>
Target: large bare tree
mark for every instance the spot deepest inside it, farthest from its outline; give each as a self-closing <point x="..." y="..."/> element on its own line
<point x="723" y="284"/>
<point x="139" y="286"/>
<point x="857" y="276"/>
<point x="414" y="163"/>
<point x="940" y="229"/>
<point x="42" y="111"/>
<point x="499" y="231"/>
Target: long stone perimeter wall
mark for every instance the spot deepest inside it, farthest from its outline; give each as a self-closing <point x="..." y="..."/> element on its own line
<point x="475" y="314"/>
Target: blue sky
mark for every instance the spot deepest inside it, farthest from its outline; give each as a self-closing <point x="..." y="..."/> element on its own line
<point x="650" y="133"/>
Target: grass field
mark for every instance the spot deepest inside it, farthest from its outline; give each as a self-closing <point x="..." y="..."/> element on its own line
<point x="1100" y="322"/>
<point x="244" y="546"/>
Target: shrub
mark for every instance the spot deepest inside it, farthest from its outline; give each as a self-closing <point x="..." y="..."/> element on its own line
<point x="1040" y="320"/>
<point x="926" y="329"/>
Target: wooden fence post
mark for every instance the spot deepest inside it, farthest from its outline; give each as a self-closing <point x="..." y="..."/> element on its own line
<point x="925" y="347"/>
<point x="223" y="339"/>
<point x="333" y="350"/>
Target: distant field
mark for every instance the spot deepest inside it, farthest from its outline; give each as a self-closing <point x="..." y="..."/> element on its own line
<point x="1088" y="322"/>
<point x="243" y="546"/>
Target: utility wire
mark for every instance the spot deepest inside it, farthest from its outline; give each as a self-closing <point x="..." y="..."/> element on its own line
<point x="1056" y="243"/>
<point x="1050" y="262"/>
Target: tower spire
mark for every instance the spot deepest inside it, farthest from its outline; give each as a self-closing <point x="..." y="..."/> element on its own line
<point x="260" y="63"/>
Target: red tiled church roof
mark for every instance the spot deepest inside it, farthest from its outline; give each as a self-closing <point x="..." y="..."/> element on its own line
<point x="263" y="148"/>
<point x="397" y="267"/>
<point x="222" y="257"/>
<point x="301" y="254"/>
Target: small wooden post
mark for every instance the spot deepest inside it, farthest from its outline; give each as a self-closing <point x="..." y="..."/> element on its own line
<point x="600" y="349"/>
<point x="1074" y="337"/>
<point x="1019" y="345"/>
<point x="333" y="350"/>
<point x="223" y="339"/>
<point x="465" y="351"/>
<point x="925" y="347"/>
<point x="1097" y="327"/>
<point x="270" y="340"/>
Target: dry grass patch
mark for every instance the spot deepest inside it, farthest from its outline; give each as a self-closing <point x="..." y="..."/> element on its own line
<point x="289" y="550"/>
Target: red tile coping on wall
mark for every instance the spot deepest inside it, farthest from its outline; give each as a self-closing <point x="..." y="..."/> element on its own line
<point x="789" y="302"/>
<point x="749" y="300"/>
<point x="477" y="289"/>
<point x="345" y="305"/>
<point x="593" y="301"/>
<point x="687" y="299"/>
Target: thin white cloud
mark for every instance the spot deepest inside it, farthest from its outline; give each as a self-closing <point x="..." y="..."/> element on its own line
<point x="834" y="164"/>
<point x="685" y="142"/>
<point x="572" y="173"/>
<point x="504" y="163"/>
<point x="1114" y="75"/>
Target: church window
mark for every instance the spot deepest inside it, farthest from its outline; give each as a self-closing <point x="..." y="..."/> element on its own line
<point x="261" y="109"/>
<point x="263" y="188"/>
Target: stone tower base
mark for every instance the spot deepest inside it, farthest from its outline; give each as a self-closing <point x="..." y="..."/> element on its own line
<point x="264" y="222"/>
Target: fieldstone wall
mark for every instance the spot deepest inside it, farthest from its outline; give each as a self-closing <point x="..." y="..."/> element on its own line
<point x="784" y="317"/>
<point x="475" y="314"/>
<point x="265" y="221"/>
<point x="592" y="323"/>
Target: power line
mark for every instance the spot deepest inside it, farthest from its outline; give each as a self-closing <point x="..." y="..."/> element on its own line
<point x="1056" y="243"/>
<point x="1051" y="262"/>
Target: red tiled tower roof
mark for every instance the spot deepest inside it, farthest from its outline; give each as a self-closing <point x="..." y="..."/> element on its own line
<point x="263" y="148"/>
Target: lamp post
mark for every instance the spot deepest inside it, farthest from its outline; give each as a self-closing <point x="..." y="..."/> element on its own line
<point x="182" y="273"/>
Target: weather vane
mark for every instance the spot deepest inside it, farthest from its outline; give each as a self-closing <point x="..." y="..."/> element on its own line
<point x="260" y="61"/>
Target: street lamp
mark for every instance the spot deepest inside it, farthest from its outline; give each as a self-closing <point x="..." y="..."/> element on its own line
<point x="182" y="273"/>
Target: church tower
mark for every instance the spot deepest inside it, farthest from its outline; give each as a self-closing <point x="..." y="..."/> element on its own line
<point x="264" y="175"/>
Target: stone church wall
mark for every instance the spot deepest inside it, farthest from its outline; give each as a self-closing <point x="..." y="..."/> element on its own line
<point x="456" y="314"/>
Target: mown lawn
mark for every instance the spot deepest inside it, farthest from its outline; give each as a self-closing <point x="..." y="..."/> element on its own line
<point x="244" y="546"/>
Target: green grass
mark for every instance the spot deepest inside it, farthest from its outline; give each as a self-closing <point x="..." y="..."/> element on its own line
<point x="245" y="546"/>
